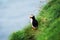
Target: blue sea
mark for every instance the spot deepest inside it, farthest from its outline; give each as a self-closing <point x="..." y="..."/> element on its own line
<point x="14" y="15"/>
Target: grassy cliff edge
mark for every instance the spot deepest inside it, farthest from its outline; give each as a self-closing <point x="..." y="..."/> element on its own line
<point x="49" y="25"/>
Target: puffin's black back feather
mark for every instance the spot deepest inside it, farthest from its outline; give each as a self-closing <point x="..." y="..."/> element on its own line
<point x="35" y="23"/>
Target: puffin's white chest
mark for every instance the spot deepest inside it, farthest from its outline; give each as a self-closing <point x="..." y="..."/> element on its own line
<point x="31" y="20"/>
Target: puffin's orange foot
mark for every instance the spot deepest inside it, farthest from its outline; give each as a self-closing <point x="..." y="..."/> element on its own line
<point x="32" y="29"/>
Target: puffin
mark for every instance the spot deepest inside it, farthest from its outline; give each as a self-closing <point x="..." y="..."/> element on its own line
<point x="34" y="22"/>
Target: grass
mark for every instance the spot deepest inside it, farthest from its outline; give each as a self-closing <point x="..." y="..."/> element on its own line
<point x="49" y="25"/>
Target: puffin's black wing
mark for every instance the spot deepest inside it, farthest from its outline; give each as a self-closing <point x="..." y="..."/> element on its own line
<point x="35" y="23"/>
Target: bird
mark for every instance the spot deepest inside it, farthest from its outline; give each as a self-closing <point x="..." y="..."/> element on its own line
<point x="34" y="22"/>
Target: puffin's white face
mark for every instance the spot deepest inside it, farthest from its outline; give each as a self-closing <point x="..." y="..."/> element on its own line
<point x="31" y="18"/>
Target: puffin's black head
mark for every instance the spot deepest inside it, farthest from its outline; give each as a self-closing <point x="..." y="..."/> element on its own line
<point x="32" y="17"/>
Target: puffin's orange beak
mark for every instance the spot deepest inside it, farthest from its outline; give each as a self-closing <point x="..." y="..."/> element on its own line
<point x="30" y="17"/>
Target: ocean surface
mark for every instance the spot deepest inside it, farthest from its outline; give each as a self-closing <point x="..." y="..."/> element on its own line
<point x="14" y="15"/>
